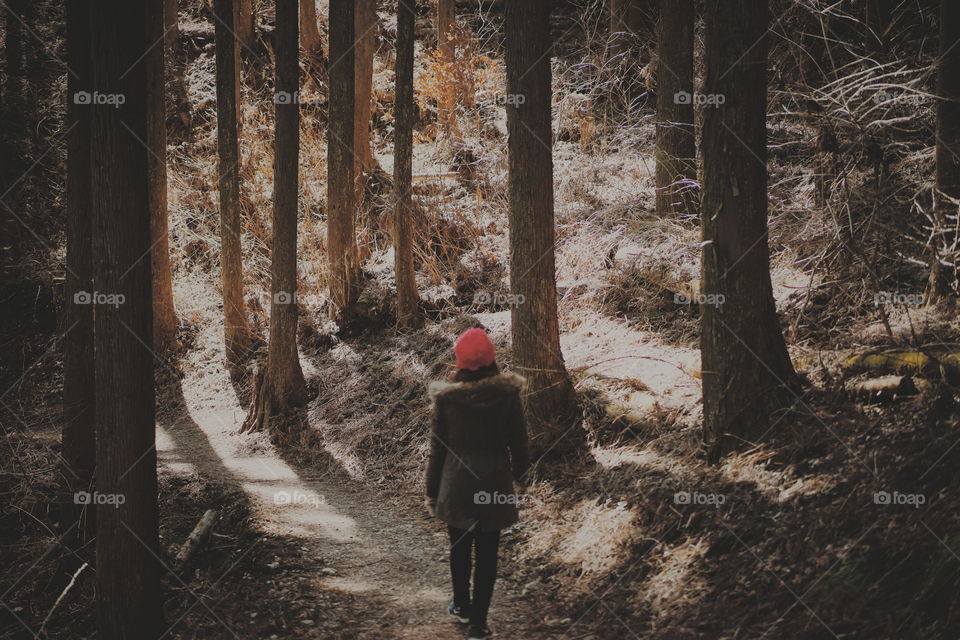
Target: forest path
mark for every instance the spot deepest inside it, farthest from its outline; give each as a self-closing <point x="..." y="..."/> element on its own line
<point x="379" y="552"/>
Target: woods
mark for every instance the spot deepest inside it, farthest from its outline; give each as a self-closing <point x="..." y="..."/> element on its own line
<point x="377" y="318"/>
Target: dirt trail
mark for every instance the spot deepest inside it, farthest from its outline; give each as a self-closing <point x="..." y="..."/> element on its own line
<point x="371" y="548"/>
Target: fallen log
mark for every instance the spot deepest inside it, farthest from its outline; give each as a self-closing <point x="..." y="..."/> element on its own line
<point x="421" y="177"/>
<point x="884" y="389"/>
<point x="946" y="365"/>
<point x="196" y="539"/>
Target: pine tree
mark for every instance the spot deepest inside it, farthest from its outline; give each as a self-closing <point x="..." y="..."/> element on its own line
<point x="283" y="386"/>
<point x="78" y="437"/>
<point x="744" y="358"/>
<point x="366" y="30"/>
<point x="947" y="244"/>
<point x="407" y="298"/>
<point x="245" y="24"/>
<point x="164" y="314"/>
<point x="446" y="48"/>
<point x="128" y="567"/>
<point x="676" y="147"/>
<point x="309" y="31"/>
<point x="550" y="401"/>
<point x="237" y="335"/>
<point x="343" y="258"/>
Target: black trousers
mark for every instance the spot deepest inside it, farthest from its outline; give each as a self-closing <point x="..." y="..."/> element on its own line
<point x="462" y="544"/>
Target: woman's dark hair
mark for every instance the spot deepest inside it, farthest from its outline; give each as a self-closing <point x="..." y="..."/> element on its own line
<point x="472" y="375"/>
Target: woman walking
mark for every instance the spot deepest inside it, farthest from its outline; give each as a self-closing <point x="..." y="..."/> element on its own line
<point x="478" y="449"/>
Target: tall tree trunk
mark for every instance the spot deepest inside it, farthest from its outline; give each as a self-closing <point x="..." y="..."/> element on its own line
<point x="550" y="401"/>
<point x="246" y="23"/>
<point x="176" y="68"/>
<point x="617" y="9"/>
<point x="171" y="23"/>
<point x="13" y="120"/>
<point x="164" y="315"/>
<point x="366" y="30"/>
<point x="946" y="219"/>
<point x="128" y="569"/>
<point x="13" y="52"/>
<point x="237" y="336"/>
<point x="78" y="438"/>
<point x="744" y="357"/>
<point x="446" y="46"/>
<point x="446" y="21"/>
<point x="309" y="31"/>
<point x="341" y="188"/>
<point x="676" y="147"/>
<point x="403" y="108"/>
<point x="285" y="378"/>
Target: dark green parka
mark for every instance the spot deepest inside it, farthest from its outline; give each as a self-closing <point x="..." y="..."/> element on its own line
<point x="478" y="448"/>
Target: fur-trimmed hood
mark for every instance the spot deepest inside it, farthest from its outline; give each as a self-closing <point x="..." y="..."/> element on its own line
<point x="478" y="391"/>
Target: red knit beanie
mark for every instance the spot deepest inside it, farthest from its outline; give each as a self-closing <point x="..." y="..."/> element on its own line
<point x="474" y="350"/>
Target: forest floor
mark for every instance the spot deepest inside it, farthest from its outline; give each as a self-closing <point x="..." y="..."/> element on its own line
<point x="383" y="563"/>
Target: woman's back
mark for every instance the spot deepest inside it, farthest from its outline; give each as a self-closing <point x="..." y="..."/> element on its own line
<point x="478" y="450"/>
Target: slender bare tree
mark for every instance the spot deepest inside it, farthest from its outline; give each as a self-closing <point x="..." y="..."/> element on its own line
<point x="309" y="30"/>
<point x="13" y="111"/>
<point x="246" y="23"/>
<point x="403" y="108"/>
<point x="676" y="146"/>
<point x="176" y="67"/>
<point x="366" y="30"/>
<point x="171" y="14"/>
<point x="283" y="387"/>
<point x="344" y="276"/>
<point x="78" y="445"/>
<point x="946" y="216"/>
<point x="624" y="19"/>
<point x="237" y="335"/>
<point x="164" y="314"/>
<point x="13" y="52"/>
<point x="446" y="47"/>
